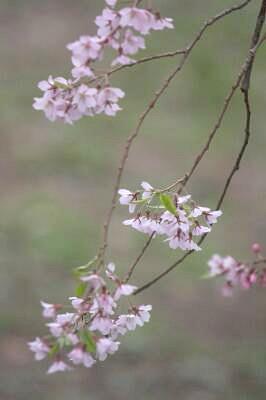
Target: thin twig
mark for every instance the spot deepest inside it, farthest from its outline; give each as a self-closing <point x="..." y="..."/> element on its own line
<point x="260" y="261"/>
<point x="250" y="58"/>
<point x="150" y="106"/>
<point x="242" y="151"/>
<point x="139" y="257"/>
<point x="255" y="39"/>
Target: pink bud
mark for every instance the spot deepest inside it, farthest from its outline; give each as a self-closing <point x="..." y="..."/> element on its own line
<point x="256" y="248"/>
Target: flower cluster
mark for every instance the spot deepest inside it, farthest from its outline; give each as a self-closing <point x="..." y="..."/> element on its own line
<point x="178" y="218"/>
<point x="90" y="331"/>
<point x="69" y="100"/>
<point x="237" y="273"/>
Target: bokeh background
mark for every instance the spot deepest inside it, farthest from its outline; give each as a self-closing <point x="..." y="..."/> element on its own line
<point x="56" y="184"/>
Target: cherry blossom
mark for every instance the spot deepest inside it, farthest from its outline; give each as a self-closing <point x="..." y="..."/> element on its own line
<point x="69" y="100"/>
<point x="39" y="348"/>
<point x="111" y="3"/>
<point x="58" y="366"/>
<point x="124" y="290"/>
<point x="79" y="356"/>
<point x="177" y="218"/>
<point x="106" y="346"/>
<point x="49" y="310"/>
<point x="148" y="190"/>
<point x="236" y="273"/>
<point x="126" y="198"/>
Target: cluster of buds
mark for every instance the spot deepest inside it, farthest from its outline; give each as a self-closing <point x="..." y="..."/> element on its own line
<point x="69" y="100"/>
<point x="90" y="331"/>
<point x="237" y="273"/>
<point x="178" y="218"/>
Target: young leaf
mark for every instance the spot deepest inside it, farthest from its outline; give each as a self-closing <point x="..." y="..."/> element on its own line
<point x="55" y="348"/>
<point x="84" y="268"/>
<point x="87" y="339"/>
<point x="168" y="203"/>
<point x="81" y="289"/>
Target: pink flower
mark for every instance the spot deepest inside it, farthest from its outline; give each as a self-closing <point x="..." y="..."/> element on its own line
<point x="107" y="23"/>
<point x="77" y="303"/>
<point x="200" y="230"/>
<point x="139" y="19"/>
<point x="160" y="23"/>
<point x="101" y="324"/>
<point x="49" y="310"/>
<point x="111" y="3"/>
<point x="126" y="198"/>
<point x="81" y="70"/>
<point x="148" y="191"/>
<point x="216" y="266"/>
<point x="95" y="280"/>
<point x="124" y="289"/>
<point x="58" y="366"/>
<point x="78" y="356"/>
<point x="85" y="98"/>
<point x="103" y="302"/>
<point x="39" y="348"/>
<point x="104" y="347"/>
<point x="85" y="49"/>
<point x="123" y="60"/>
<point x="107" y="100"/>
<point x="61" y="324"/>
<point x="132" y="43"/>
<point x="143" y="313"/>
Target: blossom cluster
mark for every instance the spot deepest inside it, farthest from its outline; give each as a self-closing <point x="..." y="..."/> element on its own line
<point x="177" y="218"/>
<point x="123" y="31"/>
<point x="237" y="273"/>
<point x="90" y="331"/>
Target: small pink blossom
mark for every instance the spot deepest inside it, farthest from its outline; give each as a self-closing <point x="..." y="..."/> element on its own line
<point x="132" y="43"/>
<point x="126" y="198"/>
<point x="39" y="348"/>
<point x="160" y="23"/>
<point x="107" y="23"/>
<point x="124" y="289"/>
<point x="148" y="191"/>
<point x="107" y="100"/>
<point x="123" y="60"/>
<point x="102" y="324"/>
<point x="85" y="49"/>
<point x="106" y="346"/>
<point x="111" y="3"/>
<point x="143" y="313"/>
<point x="95" y="280"/>
<point x="58" y="366"/>
<point x="139" y="19"/>
<point x="78" y="356"/>
<point x="49" y="310"/>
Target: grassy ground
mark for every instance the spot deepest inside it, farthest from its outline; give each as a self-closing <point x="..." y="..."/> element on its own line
<point x="56" y="184"/>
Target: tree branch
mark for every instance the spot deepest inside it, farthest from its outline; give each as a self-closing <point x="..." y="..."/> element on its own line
<point x="139" y="257"/>
<point x="247" y="67"/>
<point x="255" y="39"/>
<point x="150" y="106"/>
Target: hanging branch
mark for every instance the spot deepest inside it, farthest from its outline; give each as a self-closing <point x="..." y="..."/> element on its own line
<point x="243" y="77"/>
<point x="146" y="112"/>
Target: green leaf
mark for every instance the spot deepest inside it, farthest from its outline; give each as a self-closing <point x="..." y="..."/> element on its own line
<point x="80" y="290"/>
<point x="139" y="202"/>
<point x="55" y="348"/>
<point x="60" y="85"/>
<point x="87" y="339"/>
<point x="168" y="203"/>
<point x="83" y="270"/>
<point x="61" y="342"/>
<point x="186" y="208"/>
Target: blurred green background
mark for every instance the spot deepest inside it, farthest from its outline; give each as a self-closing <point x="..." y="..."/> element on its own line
<point x="56" y="184"/>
